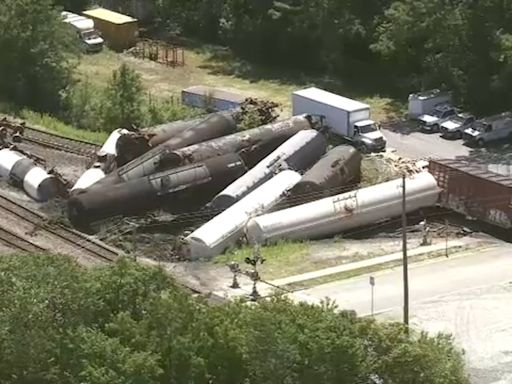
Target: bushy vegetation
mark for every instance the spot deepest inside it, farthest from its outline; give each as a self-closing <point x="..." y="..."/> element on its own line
<point x="394" y="47"/>
<point x="123" y="103"/>
<point x="127" y="323"/>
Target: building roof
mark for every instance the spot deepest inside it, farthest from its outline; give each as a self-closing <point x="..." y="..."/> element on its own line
<point x="216" y="93"/>
<point x="110" y="16"/>
<point x="331" y="99"/>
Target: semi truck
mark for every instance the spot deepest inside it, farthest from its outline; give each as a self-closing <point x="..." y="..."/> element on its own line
<point x="344" y="117"/>
<point x="489" y="129"/>
<point x="90" y="39"/>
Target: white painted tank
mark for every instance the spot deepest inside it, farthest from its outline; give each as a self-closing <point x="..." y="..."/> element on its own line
<point x="109" y="147"/>
<point x="226" y="228"/>
<point x="297" y="153"/>
<point x="333" y="215"/>
<point x="89" y="177"/>
<point x="39" y="185"/>
<point x="7" y="160"/>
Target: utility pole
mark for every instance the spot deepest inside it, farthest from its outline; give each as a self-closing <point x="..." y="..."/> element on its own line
<point x="404" y="254"/>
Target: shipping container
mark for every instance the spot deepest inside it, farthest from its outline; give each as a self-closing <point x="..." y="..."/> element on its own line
<point x="119" y="31"/>
<point x="212" y="99"/>
<point x="473" y="190"/>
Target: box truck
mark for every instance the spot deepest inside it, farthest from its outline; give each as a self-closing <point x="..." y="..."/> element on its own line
<point x="84" y="27"/>
<point x="345" y="117"/>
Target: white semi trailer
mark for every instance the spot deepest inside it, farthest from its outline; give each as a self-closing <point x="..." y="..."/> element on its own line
<point x="345" y="117"/>
<point x="84" y="27"/>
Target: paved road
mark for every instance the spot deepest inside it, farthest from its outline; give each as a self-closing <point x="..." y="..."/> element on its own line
<point x="427" y="280"/>
<point x="469" y="297"/>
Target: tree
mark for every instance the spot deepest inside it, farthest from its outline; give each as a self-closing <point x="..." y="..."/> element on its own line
<point x="127" y="323"/>
<point x="37" y="54"/>
<point x="123" y="99"/>
<point x="73" y="5"/>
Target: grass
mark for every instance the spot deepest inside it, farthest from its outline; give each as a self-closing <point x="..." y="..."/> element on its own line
<point x="281" y="259"/>
<point x="51" y="124"/>
<point x="301" y="285"/>
<point x="213" y="66"/>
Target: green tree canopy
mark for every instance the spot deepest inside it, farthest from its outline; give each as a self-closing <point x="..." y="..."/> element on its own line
<point x="126" y="323"/>
<point x="36" y="53"/>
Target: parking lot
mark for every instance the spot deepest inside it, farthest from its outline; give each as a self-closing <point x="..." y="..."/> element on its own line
<point x="409" y="142"/>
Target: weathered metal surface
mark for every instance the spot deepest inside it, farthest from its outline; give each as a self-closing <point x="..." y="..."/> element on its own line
<point x="333" y="215"/>
<point x="252" y="145"/>
<point x="470" y="189"/>
<point x="297" y="153"/>
<point x="177" y="189"/>
<point x="336" y="170"/>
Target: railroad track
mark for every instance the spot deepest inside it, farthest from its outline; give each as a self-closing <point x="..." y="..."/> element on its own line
<point x="15" y="241"/>
<point x="60" y="143"/>
<point x="86" y="244"/>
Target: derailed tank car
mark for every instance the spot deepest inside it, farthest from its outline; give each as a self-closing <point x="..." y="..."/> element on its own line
<point x="178" y="189"/>
<point x="297" y="153"/>
<point x="471" y="189"/>
<point x="253" y="145"/>
<point x="225" y="229"/>
<point x="337" y="169"/>
<point x="23" y="173"/>
<point x="333" y="215"/>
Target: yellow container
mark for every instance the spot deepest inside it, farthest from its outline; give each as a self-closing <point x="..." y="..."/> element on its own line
<point x="119" y="31"/>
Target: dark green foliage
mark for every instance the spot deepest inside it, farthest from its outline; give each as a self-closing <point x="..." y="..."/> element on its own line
<point x="122" y="103"/>
<point x="73" y="5"/>
<point x="127" y="323"/>
<point x="376" y="45"/>
<point x="35" y="53"/>
<point x="123" y="98"/>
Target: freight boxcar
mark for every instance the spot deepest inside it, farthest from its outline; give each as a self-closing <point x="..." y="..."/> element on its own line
<point x="473" y="190"/>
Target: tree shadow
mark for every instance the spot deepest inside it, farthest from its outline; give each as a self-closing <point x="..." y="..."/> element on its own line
<point x="222" y="61"/>
<point x="497" y="153"/>
<point x="401" y="126"/>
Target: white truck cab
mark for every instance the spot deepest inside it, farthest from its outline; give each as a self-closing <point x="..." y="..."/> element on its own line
<point x="344" y="117"/>
<point x="432" y="121"/>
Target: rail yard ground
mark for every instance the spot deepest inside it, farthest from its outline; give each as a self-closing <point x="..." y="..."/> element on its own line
<point x="444" y="309"/>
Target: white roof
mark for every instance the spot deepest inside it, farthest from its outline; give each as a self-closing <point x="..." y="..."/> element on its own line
<point x="331" y="99"/>
<point x="78" y="21"/>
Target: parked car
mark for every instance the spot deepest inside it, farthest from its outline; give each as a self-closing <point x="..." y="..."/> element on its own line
<point x="441" y="113"/>
<point x="492" y="128"/>
<point x="456" y="125"/>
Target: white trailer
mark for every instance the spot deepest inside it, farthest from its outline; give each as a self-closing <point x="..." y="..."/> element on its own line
<point x="345" y="117"/>
<point x="423" y="103"/>
<point x="84" y="27"/>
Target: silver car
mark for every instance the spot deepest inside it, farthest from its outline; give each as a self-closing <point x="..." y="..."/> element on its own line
<point x="456" y="125"/>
